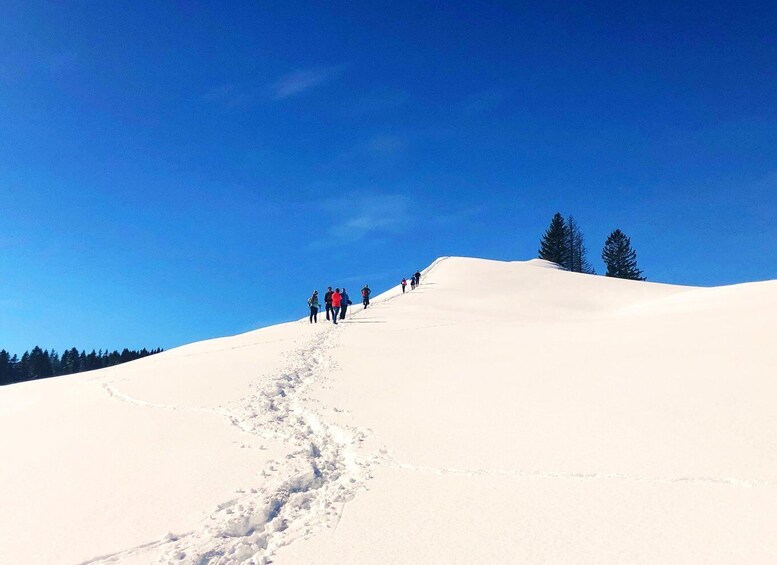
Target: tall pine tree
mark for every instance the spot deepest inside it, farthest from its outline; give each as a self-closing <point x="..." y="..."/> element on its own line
<point x="620" y="258"/>
<point x="578" y="254"/>
<point x="554" y="245"/>
<point x="6" y="369"/>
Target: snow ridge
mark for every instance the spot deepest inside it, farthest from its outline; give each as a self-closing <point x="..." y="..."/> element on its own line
<point x="298" y="496"/>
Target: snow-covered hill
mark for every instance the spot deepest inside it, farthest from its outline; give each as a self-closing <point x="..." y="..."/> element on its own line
<point x="500" y="413"/>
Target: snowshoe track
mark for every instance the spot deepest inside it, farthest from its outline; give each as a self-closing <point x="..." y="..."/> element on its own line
<point x="300" y="495"/>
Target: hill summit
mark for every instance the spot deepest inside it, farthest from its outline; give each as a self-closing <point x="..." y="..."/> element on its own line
<point x="501" y="412"/>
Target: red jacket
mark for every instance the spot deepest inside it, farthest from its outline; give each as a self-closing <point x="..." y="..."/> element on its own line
<point x="336" y="299"/>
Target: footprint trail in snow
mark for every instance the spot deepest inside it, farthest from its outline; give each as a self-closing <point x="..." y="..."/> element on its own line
<point x="300" y="495"/>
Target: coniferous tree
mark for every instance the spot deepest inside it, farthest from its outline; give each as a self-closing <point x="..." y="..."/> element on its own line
<point x="65" y="364"/>
<point x="15" y="373"/>
<point x="56" y="363"/>
<point x="91" y="361"/>
<point x="578" y="254"/>
<point x="39" y="366"/>
<point x="554" y="245"/>
<point x="6" y="369"/>
<point x="23" y="370"/>
<point x="620" y="258"/>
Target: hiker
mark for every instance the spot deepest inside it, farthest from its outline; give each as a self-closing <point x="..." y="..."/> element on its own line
<point x="417" y="278"/>
<point x="412" y="282"/>
<point x="314" y="306"/>
<point x="336" y="301"/>
<point x="366" y="295"/>
<point x="404" y="284"/>
<point x="346" y="302"/>
<point x="328" y="301"/>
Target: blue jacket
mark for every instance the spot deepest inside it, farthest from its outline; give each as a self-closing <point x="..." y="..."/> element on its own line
<point x="344" y="296"/>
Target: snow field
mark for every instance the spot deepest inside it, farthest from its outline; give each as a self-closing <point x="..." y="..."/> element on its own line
<point x="501" y="412"/>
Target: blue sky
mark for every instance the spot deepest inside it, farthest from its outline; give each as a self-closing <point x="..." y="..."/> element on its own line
<point x="172" y="171"/>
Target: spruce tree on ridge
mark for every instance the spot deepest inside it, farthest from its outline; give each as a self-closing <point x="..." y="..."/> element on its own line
<point x="620" y="258"/>
<point x="554" y="245"/>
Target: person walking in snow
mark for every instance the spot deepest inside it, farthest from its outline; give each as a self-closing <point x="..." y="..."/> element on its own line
<point x="328" y="301"/>
<point x="336" y="302"/>
<point x="412" y="282"/>
<point x="417" y="278"/>
<point x="366" y="295"/>
<point x="314" y="306"/>
<point x="404" y="284"/>
<point x="346" y="302"/>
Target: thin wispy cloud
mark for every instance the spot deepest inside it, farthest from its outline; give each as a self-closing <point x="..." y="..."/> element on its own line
<point x="367" y="215"/>
<point x="301" y="81"/>
<point x="243" y="94"/>
<point x="457" y="217"/>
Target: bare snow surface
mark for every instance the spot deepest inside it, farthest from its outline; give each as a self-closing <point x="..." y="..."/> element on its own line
<point x="500" y="413"/>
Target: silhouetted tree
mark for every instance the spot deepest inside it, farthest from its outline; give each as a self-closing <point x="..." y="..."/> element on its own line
<point x="620" y="258"/>
<point x="578" y="260"/>
<point x="554" y="245"/>
<point x="6" y="369"/>
<point x="56" y="363"/>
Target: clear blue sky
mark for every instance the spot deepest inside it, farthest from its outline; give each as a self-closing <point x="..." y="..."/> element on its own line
<point x="172" y="171"/>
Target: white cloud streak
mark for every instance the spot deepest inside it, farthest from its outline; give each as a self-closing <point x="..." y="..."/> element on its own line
<point x="367" y="215"/>
<point x="298" y="82"/>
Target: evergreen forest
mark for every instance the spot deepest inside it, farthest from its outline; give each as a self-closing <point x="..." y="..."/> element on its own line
<point x="40" y="363"/>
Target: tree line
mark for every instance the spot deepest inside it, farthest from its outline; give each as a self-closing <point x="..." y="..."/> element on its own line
<point x="563" y="244"/>
<point x="40" y="363"/>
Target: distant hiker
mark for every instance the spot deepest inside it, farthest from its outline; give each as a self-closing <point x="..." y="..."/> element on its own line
<point x="417" y="277"/>
<point x="366" y="295"/>
<point x="336" y="301"/>
<point x="404" y="284"/>
<point x="412" y="282"/>
<point x="314" y="306"/>
<point x="346" y="302"/>
<point x="328" y="301"/>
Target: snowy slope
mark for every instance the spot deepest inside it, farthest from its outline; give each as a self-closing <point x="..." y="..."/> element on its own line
<point x="502" y="412"/>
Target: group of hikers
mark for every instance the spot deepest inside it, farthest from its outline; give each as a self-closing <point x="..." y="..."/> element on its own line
<point x="415" y="280"/>
<point x="337" y="301"/>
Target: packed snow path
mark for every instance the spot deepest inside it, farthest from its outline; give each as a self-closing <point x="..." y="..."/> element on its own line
<point x="294" y="496"/>
<point x="300" y="494"/>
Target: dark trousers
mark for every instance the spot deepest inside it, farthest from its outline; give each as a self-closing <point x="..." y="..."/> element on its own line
<point x="366" y="301"/>
<point x="342" y="312"/>
<point x="335" y="313"/>
<point x="328" y="309"/>
<point x="403" y="289"/>
<point x="313" y="314"/>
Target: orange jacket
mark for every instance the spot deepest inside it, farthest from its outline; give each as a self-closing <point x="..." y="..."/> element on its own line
<point x="336" y="299"/>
